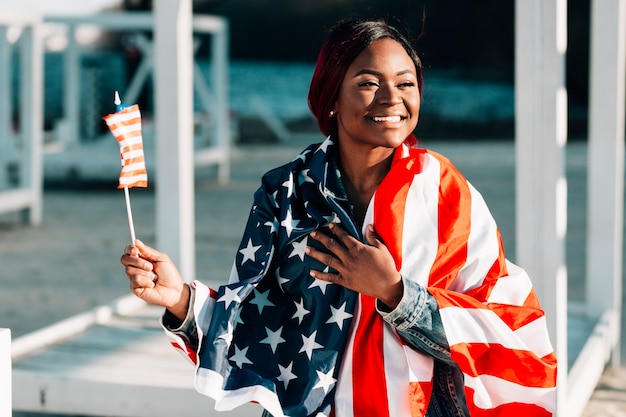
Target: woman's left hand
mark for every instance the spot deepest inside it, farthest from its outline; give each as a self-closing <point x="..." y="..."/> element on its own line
<point x="367" y="269"/>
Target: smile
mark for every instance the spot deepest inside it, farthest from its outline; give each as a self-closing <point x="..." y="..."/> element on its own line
<point x="391" y="119"/>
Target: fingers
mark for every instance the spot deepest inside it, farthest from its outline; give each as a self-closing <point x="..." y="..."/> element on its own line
<point x="323" y="257"/>
<point x="371" y="236"/>
<point x="343" y="236"/>
<point x="149" y="253"/>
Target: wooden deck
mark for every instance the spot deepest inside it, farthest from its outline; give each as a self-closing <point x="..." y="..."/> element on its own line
<point x="118" y="362"/>
<point x="115" y="360"/>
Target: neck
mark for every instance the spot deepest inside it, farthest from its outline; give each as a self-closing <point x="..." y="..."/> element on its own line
<point x="362" y="173"/>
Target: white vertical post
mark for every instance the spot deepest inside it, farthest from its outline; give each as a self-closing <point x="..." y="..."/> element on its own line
<point x="173" y="72"/>
<point x="6" y="394"/>
<point x="220" y="82"/>
<point x="31" y="121"/>
<point x="5" y="105"/>
<point x="71" y="88"/>
<point x="605" y="191"/>
<point x="541" y="190"/>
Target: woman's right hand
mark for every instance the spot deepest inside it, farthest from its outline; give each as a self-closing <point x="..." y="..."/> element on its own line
<point x="155" y="279"/>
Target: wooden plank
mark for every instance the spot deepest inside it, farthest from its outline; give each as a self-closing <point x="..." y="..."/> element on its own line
<point x="122" y="367"/>
<point x="73" y="325"/>
<point x="40" y="394"/>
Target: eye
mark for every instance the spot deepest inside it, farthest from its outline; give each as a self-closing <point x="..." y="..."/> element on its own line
<point x="368" y="84"/>
<point x="407" y="84"/>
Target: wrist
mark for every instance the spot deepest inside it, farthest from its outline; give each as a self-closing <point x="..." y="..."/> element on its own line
<point x="180" y="308"/>
<point x="394" y="296"/>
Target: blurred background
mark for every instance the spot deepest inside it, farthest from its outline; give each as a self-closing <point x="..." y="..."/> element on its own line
<point x="467" y="50"/>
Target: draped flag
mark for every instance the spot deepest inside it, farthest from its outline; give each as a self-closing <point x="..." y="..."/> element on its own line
<point x="304" y="347"/>
<point x="125" y="125"/>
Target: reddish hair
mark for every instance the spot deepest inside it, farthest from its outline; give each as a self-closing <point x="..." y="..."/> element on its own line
<point x="344" y="43"/>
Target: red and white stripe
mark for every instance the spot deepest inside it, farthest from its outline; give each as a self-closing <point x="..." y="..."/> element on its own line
<point x="125" y="125"/>
<point x="442" y="235"/>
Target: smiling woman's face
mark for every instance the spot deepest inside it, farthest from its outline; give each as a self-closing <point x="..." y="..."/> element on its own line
<point x="379" y="99"/>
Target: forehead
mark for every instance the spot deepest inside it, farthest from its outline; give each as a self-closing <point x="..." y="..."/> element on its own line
<point x="383" y="54"/>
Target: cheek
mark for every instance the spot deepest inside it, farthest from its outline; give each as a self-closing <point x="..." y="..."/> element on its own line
<point x="414" y="103"/>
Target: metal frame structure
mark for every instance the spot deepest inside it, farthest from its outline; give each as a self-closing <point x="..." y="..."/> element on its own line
<point x="21" y="150"/>
<point x="541" y="188"/>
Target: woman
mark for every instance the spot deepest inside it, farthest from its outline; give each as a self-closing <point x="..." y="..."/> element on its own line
<point x="371" y="279"/>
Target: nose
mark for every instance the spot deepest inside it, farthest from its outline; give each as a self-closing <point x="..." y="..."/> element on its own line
<point x="389" y="94"/>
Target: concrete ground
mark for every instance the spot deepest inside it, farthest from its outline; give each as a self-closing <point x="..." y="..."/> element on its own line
<point x="70" y="263"/>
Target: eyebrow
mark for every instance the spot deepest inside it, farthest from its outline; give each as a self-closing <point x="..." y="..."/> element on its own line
<point x="379" y="74"/>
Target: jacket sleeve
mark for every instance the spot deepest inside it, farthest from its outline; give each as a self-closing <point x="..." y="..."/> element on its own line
<point x="417" y="320"/>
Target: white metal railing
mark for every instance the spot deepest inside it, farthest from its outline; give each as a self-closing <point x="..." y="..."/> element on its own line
<point x="20" y="144"/>
<point x="211" y="89"/>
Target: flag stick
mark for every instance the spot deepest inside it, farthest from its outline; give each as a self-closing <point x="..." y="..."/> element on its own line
<point x="129" y="212"/>
<point x="118" y="106"/>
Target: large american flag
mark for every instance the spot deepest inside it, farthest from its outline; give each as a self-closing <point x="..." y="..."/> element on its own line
<point x="302" y="347"/>
<point x="125" y="125"/>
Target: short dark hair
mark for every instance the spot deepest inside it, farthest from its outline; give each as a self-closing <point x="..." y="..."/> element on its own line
<point x="344" y="43"/>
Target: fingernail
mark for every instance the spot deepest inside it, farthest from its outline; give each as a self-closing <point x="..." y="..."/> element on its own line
<point x="313" y="233"/>
<point x="312" y="273"/>
<point x="307" y="250"/>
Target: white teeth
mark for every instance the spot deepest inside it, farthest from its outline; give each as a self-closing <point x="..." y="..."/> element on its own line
<point x="393" y="119"/>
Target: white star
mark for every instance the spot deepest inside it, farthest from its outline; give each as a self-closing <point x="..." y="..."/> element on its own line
<point x="289" y="185"/>
<point x="229" y="296"/>
<point x="300" y="311"/>
<point x="302" y="156"/>
<point x="273" y="338"/>
<point x="326" y="380"/>
<point x="238" y="319"/>
<point x="240" y="356"/>
<point x="272" y="225"/>
<point x="228" y="336"/>
<point x="281" y="280"/>
<point x="306" y="206"/>
<point x="289" y="223"/>
<point x="309" y="344"/>
<point x="285" y="374"/>
<point x="273" y="197"/>
<point x="249" y="252"/>
<point x="305" y="177"/>
<point x="320" y="284"/>
<point x="299" y="247"/>
<point x="338" y="315"/>
<point x="324" y="146"/>
<point x="261" y="301"/>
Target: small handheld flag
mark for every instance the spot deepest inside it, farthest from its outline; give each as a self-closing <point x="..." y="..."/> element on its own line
<point x="125" y="125"/>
